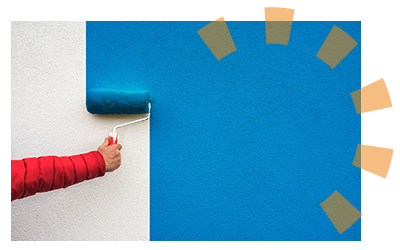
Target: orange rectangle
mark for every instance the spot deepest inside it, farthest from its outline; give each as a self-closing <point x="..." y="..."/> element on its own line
<point x="372" y="97"/>
<point x="373" y="159"/>
<point x="278" y="14"/>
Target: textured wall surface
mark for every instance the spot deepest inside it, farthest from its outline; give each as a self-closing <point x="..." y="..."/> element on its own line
<point x="49" y="117"/>
<point x="247" y="147"/>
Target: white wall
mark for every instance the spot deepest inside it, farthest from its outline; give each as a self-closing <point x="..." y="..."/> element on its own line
<point x="49" y="117"/>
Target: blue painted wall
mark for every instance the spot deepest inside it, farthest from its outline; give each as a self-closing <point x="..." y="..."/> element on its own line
<point x="245" y="148"/>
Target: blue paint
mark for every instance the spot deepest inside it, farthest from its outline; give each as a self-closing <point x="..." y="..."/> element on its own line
<point x="110" y="101"/>
<point x="245" y="148"/>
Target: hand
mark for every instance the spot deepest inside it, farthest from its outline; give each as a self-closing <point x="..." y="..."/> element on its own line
<point x="111" y="155"/>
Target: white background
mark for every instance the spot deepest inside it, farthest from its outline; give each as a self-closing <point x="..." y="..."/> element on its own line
<point x="49" y="117"/>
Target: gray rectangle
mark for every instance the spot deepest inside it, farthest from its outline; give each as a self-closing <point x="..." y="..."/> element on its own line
<point x="278" y="32"/>
<point x="336" y="47"/>
<point x="218" y="39"/>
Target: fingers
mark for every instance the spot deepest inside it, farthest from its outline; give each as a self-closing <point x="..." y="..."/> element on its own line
<point x="119" y="146"/>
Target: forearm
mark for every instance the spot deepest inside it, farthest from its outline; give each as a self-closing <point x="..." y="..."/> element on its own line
<point x="42" y="174"/>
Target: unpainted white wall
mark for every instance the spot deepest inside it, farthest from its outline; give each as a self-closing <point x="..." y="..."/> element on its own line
<point x="49" y="117"/>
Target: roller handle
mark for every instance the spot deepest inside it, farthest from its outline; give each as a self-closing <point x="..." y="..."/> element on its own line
<point x="112" y="138"/>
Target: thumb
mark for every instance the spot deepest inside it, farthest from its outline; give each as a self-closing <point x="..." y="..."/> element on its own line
<point x="105" y="143"/>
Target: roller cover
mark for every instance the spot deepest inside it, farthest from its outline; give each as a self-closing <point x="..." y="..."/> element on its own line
<point x="102" y="101"/>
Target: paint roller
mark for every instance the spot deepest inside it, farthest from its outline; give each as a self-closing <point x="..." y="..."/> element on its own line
<point x="102" y="101"/>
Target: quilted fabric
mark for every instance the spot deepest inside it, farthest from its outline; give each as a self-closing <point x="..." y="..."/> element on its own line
<point x="32" y="175"/>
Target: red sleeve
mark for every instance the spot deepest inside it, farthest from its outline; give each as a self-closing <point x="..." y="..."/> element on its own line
<point x="32" y="175"/>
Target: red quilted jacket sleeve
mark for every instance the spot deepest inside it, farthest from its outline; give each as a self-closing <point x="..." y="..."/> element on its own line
<point x="32" y="175"/>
